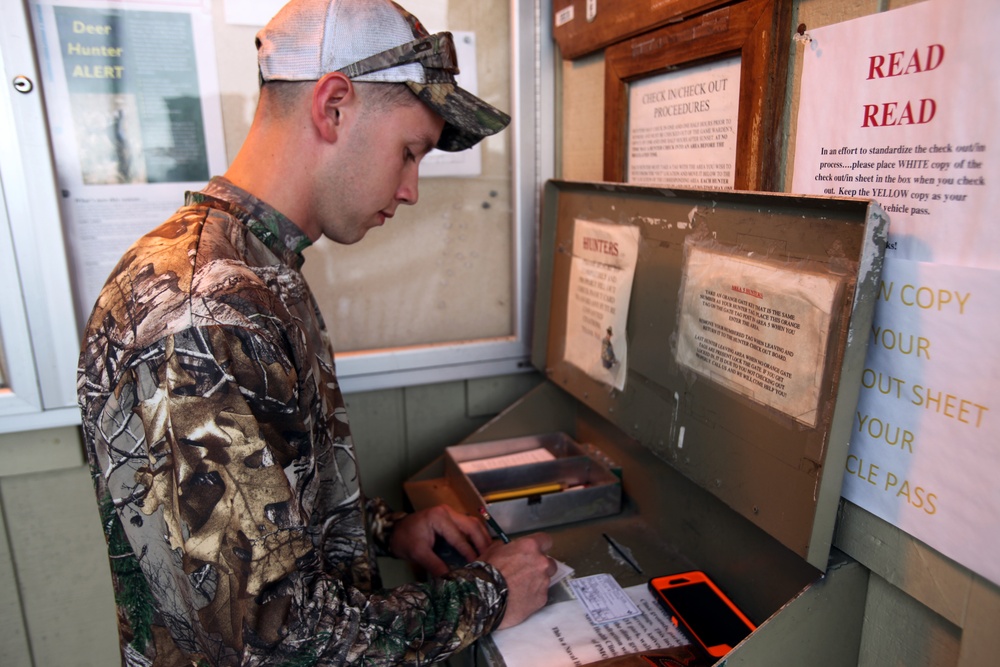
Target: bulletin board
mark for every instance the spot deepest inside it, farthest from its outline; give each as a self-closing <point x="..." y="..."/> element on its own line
<point x="757" y="33"/>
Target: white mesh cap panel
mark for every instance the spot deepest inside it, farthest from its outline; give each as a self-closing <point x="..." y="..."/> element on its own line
<point x="292" y="42"/>
<point x="361" y="28"/>
<point x="309" y="38"/>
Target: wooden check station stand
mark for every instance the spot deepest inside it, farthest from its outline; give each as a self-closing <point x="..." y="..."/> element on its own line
<point x="712" y="477"/>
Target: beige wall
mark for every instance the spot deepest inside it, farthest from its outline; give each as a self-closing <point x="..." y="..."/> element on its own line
<point x="922" y="608"/>
<point x="56" y="607"/>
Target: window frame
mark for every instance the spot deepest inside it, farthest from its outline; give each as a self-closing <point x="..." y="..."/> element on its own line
<point x="39" y="329"/>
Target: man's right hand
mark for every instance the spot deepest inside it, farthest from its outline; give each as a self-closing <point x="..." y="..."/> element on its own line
<point x="527" y="569"/>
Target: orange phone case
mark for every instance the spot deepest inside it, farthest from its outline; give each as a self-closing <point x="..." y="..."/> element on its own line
<point x="674" y="581"/>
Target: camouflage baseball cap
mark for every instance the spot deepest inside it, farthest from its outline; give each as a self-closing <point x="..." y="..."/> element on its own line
<point x="375" y="41"/>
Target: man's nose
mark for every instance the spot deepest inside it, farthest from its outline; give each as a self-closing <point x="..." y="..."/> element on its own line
<point x="408" y="192"/>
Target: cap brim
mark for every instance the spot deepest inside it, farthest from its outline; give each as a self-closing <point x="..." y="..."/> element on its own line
<point x="468" y="119"/>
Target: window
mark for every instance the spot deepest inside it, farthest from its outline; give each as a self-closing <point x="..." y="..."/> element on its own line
<point x="39" y="319"/>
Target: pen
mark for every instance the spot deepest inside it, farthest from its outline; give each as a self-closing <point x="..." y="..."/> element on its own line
<point x="494" y="525"/>
<point x="614" y="545"/>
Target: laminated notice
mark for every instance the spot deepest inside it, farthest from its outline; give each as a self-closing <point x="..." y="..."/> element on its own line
<point x="758" y="328"/>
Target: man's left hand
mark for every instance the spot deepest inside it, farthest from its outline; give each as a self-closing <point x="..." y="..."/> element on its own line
<point x="413" y="537"/>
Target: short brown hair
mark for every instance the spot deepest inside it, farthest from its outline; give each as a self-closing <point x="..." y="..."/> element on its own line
<point x="386" y="96"/>
<point x="284" y="96"/>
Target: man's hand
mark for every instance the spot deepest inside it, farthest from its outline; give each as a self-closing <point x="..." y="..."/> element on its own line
<point x="528" y="570"/>
<point x="414" y="535"/>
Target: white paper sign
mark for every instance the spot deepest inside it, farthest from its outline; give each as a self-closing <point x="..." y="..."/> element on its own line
<point x="901" y="107"/>
<point x="924" y="448"/>
<point x="470" y="161"/>
<point x="682" y="127"/>
<point x="757" y="328"/>
<point x="131" y="129"/>
<point x="600" y="287"/>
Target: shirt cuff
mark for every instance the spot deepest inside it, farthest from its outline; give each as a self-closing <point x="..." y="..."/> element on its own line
<point x="382" y="519"/>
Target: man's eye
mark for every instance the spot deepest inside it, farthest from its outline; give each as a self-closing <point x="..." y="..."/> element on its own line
<point x="408" y="155"/>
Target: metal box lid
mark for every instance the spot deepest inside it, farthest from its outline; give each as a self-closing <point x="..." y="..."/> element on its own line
<point x="744" y="341"/>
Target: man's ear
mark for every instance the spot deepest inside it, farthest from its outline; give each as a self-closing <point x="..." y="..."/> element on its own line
<point x="331" y="95"/>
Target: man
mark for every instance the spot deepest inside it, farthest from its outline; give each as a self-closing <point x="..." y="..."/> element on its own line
<point x="215" y="429"/>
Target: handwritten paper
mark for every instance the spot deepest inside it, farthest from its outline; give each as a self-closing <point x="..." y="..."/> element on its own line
<point x="561" y="635"/>
<point x="604" y="600"/>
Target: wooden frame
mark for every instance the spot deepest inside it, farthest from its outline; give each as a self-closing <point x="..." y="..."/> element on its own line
<point x="615" y="20"/>
<point x="759" y="31"/>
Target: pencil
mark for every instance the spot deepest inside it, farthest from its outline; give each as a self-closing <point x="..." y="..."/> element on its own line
<point x="494" y="525"/>
<point x="523" y="492"/>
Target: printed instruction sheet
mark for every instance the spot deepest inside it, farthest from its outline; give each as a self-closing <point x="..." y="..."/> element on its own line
<point x="600" y="286"/>
<point x="757" y="328"/>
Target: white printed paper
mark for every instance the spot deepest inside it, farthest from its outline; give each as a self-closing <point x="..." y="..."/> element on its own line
<point x="901" y="107"/>
<point x="560" y="635"/>
<point x="131" y="129"/>
<point x="892" y="108"/>
<point x="604" y="600"/>
<point x="757" y="328"/>
<point x="682" y="127"/>
<point x="924" y="453"/>
<point x="600" y="287"/>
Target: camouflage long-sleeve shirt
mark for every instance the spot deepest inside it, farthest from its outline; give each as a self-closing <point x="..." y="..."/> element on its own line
<point x="224" y="467"/>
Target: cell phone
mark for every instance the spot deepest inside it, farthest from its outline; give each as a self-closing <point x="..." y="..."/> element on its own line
<point x="697" y="606"/>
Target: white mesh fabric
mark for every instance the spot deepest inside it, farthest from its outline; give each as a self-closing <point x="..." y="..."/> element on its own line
<point x="362" y="28"/>
<point x="310" y="38"/>
<point x="292" y="42"/>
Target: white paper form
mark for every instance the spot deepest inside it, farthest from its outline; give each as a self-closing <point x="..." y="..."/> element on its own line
<point x="901" y="107"/>
<point x="604" y="600"/>
<point x="560" y="635"/>
<point x="600" y="287"/>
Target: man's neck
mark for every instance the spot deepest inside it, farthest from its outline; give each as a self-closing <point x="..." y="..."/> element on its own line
<point x="266" y="168"/>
